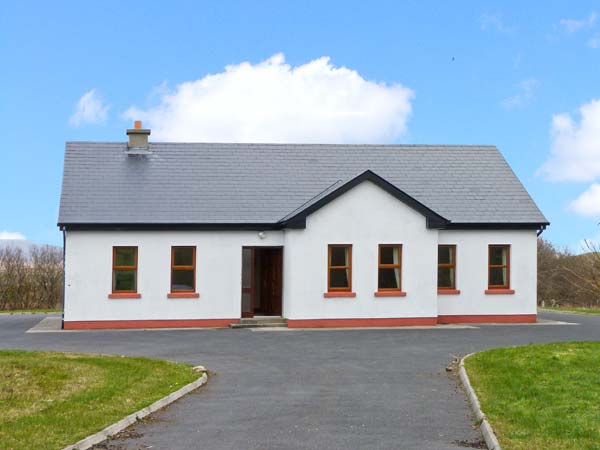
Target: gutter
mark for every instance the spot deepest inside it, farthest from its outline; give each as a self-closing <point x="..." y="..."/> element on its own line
<point x="542" y="228"/>
<point x="293" y="222"/>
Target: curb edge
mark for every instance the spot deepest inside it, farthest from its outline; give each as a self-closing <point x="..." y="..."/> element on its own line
<point x="486" y="429"/>
<point x="119" y="426"/>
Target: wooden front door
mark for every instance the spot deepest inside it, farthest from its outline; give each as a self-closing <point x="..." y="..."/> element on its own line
<point x="262" y="281"/>
<point x="271" y="281"/>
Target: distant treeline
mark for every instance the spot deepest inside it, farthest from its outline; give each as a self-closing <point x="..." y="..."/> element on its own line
<point x="33" y="280"/>
<point x="566" y="279"/>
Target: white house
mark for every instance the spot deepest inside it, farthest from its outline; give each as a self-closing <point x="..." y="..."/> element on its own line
<point x="204" y="235"/>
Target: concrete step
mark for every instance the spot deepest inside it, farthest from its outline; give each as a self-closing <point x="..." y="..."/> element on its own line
<point x="258" y="325"/>
<point x="261" y="321"/>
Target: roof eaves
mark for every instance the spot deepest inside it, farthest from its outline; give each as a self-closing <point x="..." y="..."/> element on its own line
<point x="497" y="225"/>
<point x="159" y="226"/>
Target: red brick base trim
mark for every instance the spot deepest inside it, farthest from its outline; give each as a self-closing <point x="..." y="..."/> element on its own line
<point x="378" y="322"/>
<point x="498" y="318"/>
<point x="114" y="324"/>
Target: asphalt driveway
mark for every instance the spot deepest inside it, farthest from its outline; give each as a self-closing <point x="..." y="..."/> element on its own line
<point x="308" y="389"/>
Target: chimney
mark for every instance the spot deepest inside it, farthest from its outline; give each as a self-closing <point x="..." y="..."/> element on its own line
<point x="138" y="136"/>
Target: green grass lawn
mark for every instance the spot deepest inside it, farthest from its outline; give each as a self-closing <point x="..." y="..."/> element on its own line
<point x="50" y="400"/>
<point x="30" y="311"/>
<point x="540" y="396"/>
<point x="573" y="309"/>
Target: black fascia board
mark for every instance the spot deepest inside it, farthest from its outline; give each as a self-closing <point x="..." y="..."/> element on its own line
<point x="293" y="223"/>
<point x="171" y="226"/>
<point x="497" y="226"/>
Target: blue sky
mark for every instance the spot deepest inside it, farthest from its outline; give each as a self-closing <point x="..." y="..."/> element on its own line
<point x="513" y="74"/>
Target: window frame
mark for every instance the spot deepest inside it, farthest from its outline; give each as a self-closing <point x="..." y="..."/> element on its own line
<point x="174" y="268"/>
<point x="451" y="265"/>
<point x="390" y="266"/>
<point x="116" y="268"/>
<point x="491" y="266"/>
<point x="348" y="267"/>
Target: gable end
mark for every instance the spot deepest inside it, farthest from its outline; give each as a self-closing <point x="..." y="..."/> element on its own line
<point x="433" y="219"/>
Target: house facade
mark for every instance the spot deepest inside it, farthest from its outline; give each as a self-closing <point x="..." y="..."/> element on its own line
<point x="193" y="235"/>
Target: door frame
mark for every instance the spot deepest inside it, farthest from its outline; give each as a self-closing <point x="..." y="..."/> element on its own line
<point x="251" y="290"/>
<point x="247" y="290"/>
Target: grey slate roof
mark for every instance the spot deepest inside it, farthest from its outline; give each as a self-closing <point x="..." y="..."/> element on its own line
<point x="203" y="183"/>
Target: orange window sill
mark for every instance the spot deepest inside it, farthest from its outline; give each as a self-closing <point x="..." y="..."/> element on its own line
<point x="339" y="294"/>
<point x="499" y="291"/>
<point x="390" y="294"/>
<point x="448" y="292"/>
<point x="183" y="295"/>
<point x="124" y="295"/>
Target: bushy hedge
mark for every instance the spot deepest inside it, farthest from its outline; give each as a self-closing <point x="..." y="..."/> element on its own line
<point x="31" y="281"/>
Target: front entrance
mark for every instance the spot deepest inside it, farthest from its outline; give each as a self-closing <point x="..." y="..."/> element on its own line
<point x="262" y="281"/>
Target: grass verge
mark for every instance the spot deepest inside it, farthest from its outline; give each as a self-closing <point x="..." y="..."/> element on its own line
<point x="540" y="396"/>
<point x="50" y="400"/>
<point x="572" y="309"/>
<point x="30" y="311"/>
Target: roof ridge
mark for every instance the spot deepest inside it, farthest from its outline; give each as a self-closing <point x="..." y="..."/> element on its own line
<point x="296" y="144"/>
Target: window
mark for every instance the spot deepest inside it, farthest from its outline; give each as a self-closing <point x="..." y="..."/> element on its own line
<point x="339" y="268"/>
<point x="124" y="270"/>
<point x="447" y="267"/>
<point x="183" y="269"/>
<point x="499" y="267"/>
<point x="390" y="267"/>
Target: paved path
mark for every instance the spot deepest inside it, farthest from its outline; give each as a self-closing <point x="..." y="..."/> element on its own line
<point x="313" y="389"/>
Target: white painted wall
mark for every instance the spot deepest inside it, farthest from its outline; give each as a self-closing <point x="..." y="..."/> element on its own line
<point x="218" y="274"/>
<point x="472" y="277"/>
<point x="365" y="217"/>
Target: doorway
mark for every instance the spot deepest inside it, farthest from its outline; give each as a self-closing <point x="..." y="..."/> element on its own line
<point x="262" y="283"/>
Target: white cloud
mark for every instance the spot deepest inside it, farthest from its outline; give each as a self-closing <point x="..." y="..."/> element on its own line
<point x="575" y="155"/>
<point x="588" y="203"/>
<point x="574" y="25"/>
<point x="594" y="41"/>
<point x="524" y="96"/>
<point x="11" y="235"/>
<point x="90" y="109"/>
<point x="272" y="101"/>
<point x="494" y="21"/>
<point x="575" y="151"/>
